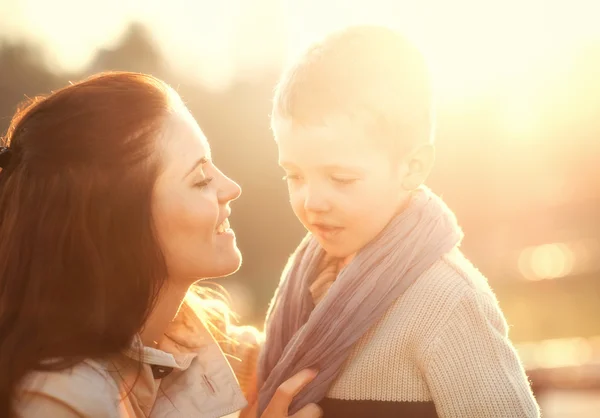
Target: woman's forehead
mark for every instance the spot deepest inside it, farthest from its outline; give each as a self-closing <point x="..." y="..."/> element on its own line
<point x="183" y="144"/>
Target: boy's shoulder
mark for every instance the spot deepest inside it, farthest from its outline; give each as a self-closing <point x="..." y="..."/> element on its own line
<point x="454" y="274"/>
<point x="450" y="289"/>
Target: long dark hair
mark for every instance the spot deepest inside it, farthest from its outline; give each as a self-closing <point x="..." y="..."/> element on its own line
<point x="80" y="267"/>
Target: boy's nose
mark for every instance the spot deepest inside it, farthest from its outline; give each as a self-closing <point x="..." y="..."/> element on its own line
<point x="315" y="201"/>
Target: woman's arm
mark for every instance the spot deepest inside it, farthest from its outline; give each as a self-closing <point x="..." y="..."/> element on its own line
<point x="34" y="405"/>
<point x="81" y="391"/>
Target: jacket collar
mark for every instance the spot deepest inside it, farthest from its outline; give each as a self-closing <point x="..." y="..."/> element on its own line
<point x="201" y="384"/>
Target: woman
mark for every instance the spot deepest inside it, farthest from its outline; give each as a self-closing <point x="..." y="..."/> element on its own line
<point x="110" y="209"/>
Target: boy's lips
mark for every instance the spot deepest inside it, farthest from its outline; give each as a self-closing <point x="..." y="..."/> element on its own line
<point x="325" y="231"/>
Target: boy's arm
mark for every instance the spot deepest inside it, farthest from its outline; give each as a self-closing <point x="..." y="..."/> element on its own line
<point x="471" y="367"/>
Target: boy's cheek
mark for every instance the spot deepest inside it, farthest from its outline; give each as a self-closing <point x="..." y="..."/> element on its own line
<point x="297" y="204"/>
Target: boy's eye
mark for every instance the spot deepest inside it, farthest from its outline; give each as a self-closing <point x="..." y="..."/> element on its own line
<point x="343" y="180"/>
<point x="291" y="177"/>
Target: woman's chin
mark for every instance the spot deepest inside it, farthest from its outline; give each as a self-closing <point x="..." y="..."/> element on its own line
<point x="226" y="265"/>
<point x="221" y="263"/>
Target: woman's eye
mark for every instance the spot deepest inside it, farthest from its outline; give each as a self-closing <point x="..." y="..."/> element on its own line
<point x="203" y="183"/>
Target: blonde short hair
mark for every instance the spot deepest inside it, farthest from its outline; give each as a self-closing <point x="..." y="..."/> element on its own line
<point x="370" y="75"/>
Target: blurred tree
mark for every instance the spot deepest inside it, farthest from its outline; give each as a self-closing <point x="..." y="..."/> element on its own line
<point x="135" y="52"/>
<point x="508" y="191"/>
<point x="22" y="74"/>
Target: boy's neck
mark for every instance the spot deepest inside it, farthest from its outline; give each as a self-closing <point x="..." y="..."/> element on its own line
<point x="345" y="261"/>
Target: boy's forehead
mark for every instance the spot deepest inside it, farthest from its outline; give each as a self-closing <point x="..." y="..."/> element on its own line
<point x="322" y="145"/>
<point x="331" y="127"/>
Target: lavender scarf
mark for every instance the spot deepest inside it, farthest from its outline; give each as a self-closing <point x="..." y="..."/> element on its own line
<point x="300" y="335"/>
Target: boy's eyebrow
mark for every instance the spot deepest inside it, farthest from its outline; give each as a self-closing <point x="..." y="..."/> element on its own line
<point x="327" y="167"/>
<point x="338" y="167"/>
<point x="286" y="164"/>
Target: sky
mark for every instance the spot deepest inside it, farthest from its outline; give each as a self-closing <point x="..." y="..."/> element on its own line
<point x="470" y="43"/>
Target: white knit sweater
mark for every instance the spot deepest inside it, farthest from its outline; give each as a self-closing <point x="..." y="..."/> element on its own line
<point x="442" y="350"/>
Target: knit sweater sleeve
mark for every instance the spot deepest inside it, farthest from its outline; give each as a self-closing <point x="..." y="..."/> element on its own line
<point x="471" y="367"/>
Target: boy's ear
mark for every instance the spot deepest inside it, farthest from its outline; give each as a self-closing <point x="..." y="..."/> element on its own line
<point x="420" y="163"/>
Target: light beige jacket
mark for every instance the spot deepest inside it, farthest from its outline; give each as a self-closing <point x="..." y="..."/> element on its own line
<point x="202" y="383"/>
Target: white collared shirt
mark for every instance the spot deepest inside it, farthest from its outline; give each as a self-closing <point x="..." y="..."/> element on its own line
<point x="201" y="383"/>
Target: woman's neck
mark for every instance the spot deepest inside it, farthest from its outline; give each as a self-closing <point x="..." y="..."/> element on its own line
<point x="169" y="301"/>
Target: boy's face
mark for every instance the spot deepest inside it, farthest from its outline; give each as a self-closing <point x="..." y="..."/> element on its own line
<point x="343" y="188"/>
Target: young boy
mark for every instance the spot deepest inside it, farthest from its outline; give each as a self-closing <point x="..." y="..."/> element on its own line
<point x="378" y="297"/>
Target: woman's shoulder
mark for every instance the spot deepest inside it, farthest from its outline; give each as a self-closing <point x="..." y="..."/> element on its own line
<point x="85" y="389"/>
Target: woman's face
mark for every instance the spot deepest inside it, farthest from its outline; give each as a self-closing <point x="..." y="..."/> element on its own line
<point x="191" y="205"/>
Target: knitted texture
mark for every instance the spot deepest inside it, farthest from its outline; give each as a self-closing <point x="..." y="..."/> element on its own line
<point x="446" y="341"/>
<point x="300" y="335"/>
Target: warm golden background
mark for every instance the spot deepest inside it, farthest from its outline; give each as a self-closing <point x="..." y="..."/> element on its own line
<point x="518" y="85"/>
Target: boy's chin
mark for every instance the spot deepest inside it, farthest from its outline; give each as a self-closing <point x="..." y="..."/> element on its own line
<point x="337" y="250"/>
